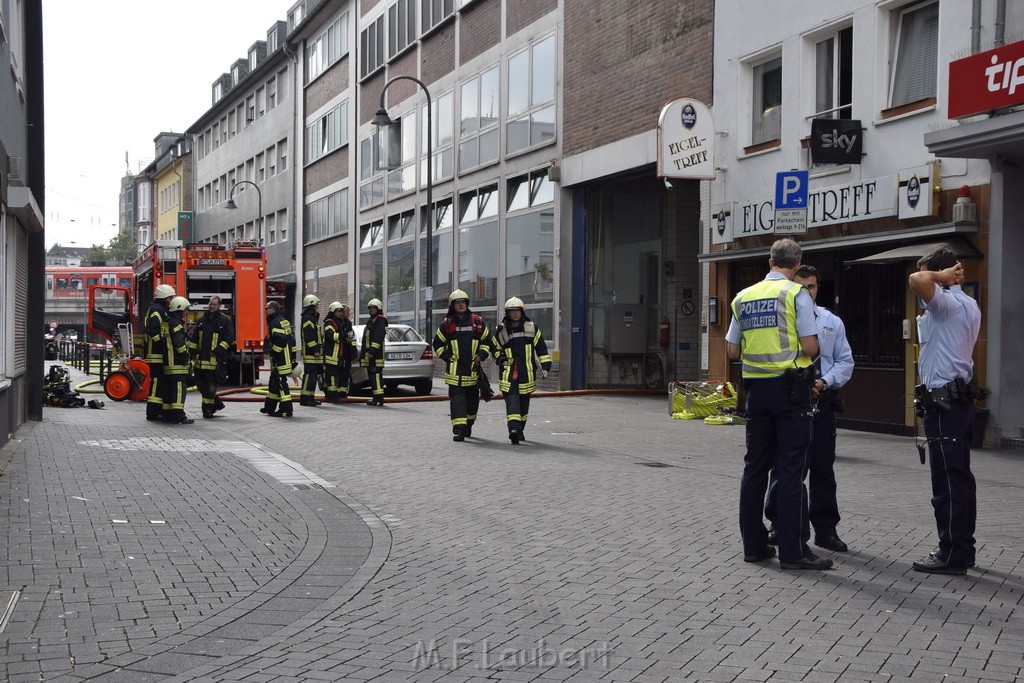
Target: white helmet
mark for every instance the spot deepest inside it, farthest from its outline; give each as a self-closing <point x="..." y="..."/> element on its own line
<point x="335" y="306"/>
<point x="180" y="303"/>
<point x="515" y="302"/>
<point x="375" y="303"/>
<point x="310" y="300"/>
<point x="163" y="292"/>
<point x="457" y="295"/>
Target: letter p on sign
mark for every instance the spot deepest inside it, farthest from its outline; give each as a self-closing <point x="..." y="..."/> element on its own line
<point x="791" y="190"/>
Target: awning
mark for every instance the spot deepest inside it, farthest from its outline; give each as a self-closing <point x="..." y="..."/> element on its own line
<point x="959" y="246"/>
<point x="883" y="237"/>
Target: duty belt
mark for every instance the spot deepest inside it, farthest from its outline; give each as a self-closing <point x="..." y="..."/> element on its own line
<point x="942" y="398"/>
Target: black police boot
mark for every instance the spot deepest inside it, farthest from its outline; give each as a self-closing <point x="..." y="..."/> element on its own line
<point x="460" y="434"/>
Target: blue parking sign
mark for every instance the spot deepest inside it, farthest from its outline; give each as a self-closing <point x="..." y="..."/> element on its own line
<point x="791" y="190"/>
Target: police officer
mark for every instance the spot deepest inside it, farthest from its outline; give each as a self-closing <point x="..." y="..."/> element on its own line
<point x="156" y="344"/>
<point x="210" y="340"/>
<point x="176" y="364"/>
<point x="312" y="349"/>
<point x="516" y="342"/>
<point x="280" y="347"/>
<point x="462" y="341"/>
<point x="339" y="349"/>
<point x="372" y="352"/>
<point x="773" y="333"/>
<point x="836" y="359"/>
<point x="947" y="333"/>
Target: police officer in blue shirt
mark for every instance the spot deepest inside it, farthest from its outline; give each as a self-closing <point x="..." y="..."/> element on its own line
<point x="836" y="368"/>
<point x="947" y="333"/>
<point x="774" y="334"/>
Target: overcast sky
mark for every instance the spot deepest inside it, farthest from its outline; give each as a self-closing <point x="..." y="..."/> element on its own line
<point x="119" y="72"/>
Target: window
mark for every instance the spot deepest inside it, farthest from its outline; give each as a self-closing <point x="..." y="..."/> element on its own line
<point x="270" y="227"/>
<point x="282" y="156"/>
<point x="271" y="161"/>
<point x="767" y="98"/>
<point x="371" y="262"/>
<point x="282" y="224"/>
<point x="371" y="45"/>
<point x="236" y="75"/>
<point x="271" y="93"/>
<point x="833" y="76"/>
<point x="478" y="262"/>
<point x="442" y="258"/>
<point x="260" y="168"/>
<point x="327" y="216"/>
<point x="371" y="177"/>
<point x="218" y="92"/>
<point x="478" y="128"/>
<point x="142" y="202"/>
<point x="327" y="133"/>
<point x="295" y="15"/>
<point x="272" y="40"/>
<point x="433" y="12"/>
<point x="401" y="26"/>
<point x="915" y="63"/>
<point x="261" y="102"/>
<point x="327" y="48"/>
<point x="401" y="260"/>
<point x="252" y="60"/>
<point x="477" y="205"/>
<point x="282" y="85"/>
<point x="443" y="115"/>
<point x="530" y="190"/>
<point x="531" y="96"/>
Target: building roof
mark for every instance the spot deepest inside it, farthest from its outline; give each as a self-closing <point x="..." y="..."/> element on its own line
<point x="58" y="250"/>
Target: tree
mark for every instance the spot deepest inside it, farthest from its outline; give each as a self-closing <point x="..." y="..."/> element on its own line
<point x="122" y="247"/>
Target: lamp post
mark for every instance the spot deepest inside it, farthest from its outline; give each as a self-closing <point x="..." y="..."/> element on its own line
<point x="381" y="119"/>
<point x="259" y="197"/>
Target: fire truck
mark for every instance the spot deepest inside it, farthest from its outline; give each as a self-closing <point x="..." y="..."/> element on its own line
<point x="196" y="271"/>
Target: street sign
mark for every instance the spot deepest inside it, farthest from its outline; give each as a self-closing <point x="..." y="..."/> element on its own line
<point x="791" y="221"/>
<point x="791" y="190"/>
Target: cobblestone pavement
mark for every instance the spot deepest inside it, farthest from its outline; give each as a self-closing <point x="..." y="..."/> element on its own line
<point x="606" y="547"/>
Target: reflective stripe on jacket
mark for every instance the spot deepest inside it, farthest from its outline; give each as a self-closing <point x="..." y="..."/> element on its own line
<point x="176" y="355"/>
<point x="514" y="349"/>
<point x="211" y="338"/>
<point x="373" y="342"/>
<point x="766" y="314"/>
<point x="457" y="340"/>
<point x="156" y="333"/>
<point x="281" y="344"/>
<point x="312" y="339"/>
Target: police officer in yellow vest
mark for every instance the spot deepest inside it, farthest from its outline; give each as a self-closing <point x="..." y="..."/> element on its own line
<point x="774" y="334"/>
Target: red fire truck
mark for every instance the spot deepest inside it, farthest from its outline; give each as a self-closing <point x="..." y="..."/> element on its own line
<point x="197" y="271"/>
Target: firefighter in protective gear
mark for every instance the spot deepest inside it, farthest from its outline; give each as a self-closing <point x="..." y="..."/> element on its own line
<point x="156" y="343"/>
<point x="518" y="348"/>
<point x="312" y="350"/>
<point x="176" y="364"/>
<point x="211" y="338"/>
<point x="339" y="352"/>
<point x="372" y="353"/>
<point x="462" y="341"/>
<point x="281" y="350"/>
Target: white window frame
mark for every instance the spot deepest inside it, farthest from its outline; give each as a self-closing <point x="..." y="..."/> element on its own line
<point x="371" y="47"/>
<point x="327" y="133"/>
<point x="898" y="57"/>
<point x="759" y="116"/>
<point x="834" y="108"/>
<point x="532" y="107"/>
<point x="327" y="48"/>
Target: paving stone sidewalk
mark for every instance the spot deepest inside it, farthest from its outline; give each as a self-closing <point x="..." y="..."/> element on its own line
<point x="604" y="548"/>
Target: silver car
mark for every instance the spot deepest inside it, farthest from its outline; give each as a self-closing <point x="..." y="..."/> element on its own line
<point x="407" y="360"/>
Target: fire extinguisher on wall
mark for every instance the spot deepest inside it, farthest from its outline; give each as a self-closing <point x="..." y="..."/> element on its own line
<point x="664" y="331"/>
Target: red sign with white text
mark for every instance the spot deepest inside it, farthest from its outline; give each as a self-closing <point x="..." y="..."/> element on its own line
<point x="986" y="81"/>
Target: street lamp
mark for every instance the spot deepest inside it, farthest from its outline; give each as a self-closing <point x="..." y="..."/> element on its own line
<point x="380" y="119"/>
<point x="259" y="196"/>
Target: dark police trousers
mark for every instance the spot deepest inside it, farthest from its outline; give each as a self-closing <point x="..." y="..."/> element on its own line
<point x="954" y="491"/>
<point x="778" y="435"/>
<point x="822" y="508"/>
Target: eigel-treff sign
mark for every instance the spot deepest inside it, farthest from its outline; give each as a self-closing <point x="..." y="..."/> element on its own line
<point x="986" y="81"/>
<point x="686" y="141"/>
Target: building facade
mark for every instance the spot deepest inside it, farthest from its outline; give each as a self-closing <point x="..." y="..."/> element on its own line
<point x="22" y="249"/>
<point x="242" y="157"/>
<point x="845" y="91"/>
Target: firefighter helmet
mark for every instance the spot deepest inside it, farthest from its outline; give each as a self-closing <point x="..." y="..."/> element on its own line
<point x="310" y="300"/>
<point x="335" y="306"/>
<point x="180" y="303"/>
<point x="163" y="292"/>
<point x="458" y="295"/>
<point x="515" y="302"/>
<point x="375" y="303"/>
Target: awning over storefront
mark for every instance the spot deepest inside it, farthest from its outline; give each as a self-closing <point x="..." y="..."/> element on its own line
<point x="959" y="246"/>
<point x="885" y="237"/>
<point x="992" y="138"/>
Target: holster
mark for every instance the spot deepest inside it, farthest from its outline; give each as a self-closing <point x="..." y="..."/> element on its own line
<point x="800" y="381"/>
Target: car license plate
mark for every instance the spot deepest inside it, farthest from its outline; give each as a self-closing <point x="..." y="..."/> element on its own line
<point x="398" y="355"/>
